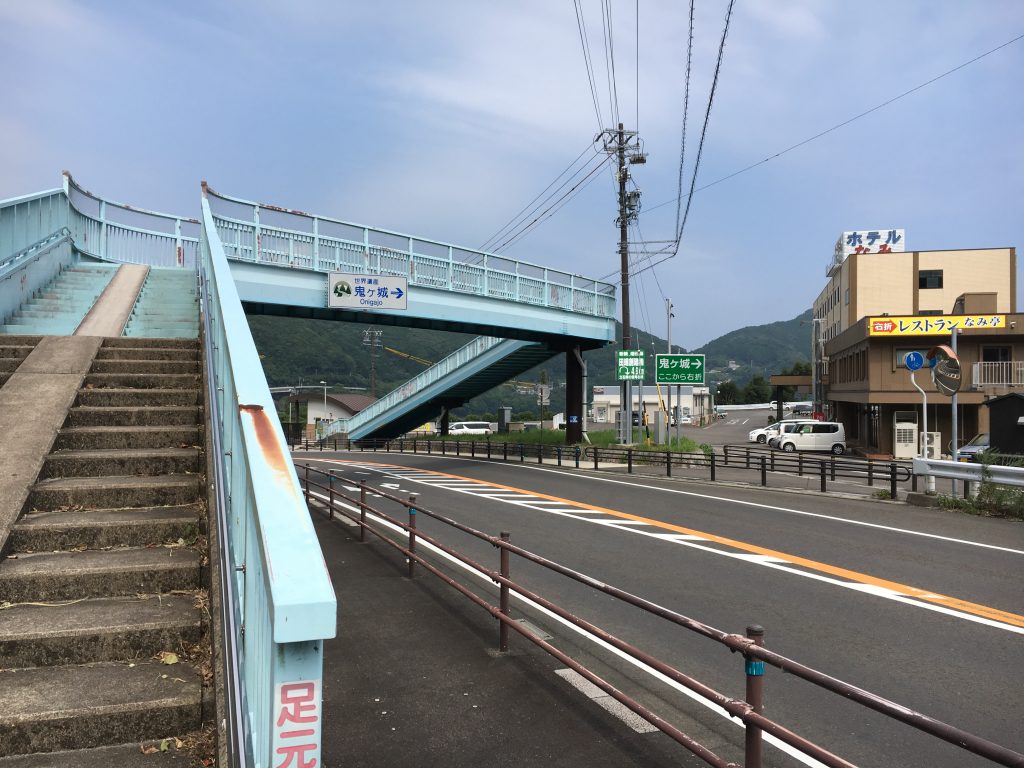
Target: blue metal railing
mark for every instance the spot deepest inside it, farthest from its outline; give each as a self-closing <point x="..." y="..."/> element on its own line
<point x="124" y="233"/>
<point x="283" y="600"/>
<point x="266" y="234"/>
<point x="456" y="360"/>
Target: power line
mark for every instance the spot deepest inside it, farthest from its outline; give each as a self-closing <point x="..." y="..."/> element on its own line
<point x="707" y="117"/>
<point x="609" y="63"/>
<point x="551" y="210"/>
<point x="837" y="126"/>
<point x="637" y="125"/>
<point x="585" y="44"/>
<point x="513" y="221"/>
<point x="686" y="110"/>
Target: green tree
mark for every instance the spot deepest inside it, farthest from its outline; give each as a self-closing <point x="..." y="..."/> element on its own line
<point x="727" y="393"/>
<point x="757" y="391"/>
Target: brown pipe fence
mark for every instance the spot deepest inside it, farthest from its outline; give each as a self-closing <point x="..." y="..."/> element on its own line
<point x="749" y="645"/>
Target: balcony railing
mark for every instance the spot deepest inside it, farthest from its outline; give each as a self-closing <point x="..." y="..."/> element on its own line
<point x="1010" y="374"/>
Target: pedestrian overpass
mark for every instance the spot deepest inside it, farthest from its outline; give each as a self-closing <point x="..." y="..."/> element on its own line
<point x="277" y="602"/>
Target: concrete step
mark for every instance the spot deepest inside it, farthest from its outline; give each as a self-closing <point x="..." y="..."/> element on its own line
<point x="49" y="576"/>
<point x="122" y="756"/>
<point x="145" y="366"/>
<point x="51" y="708"/>
<point x="14" y="351"/>
<point x="137" y="398"/>
<point x="47" y="329"/>
<point x="105" y="438"/>
<point x="144" y="353"/>
<point x="123" y="461"/>
<point x="142" y="342"/>
<point x="3" y="378"/>
<point x="152" y="416"/>
<point x="58" y="530"/>
<point x="104" y="629"/>
<point x="9" y="364"/>
<point x="115" y="492"/>
<point x="143" y="381"/>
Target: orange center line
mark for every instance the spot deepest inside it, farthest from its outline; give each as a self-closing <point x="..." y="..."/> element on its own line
<point x="906" y="590"/>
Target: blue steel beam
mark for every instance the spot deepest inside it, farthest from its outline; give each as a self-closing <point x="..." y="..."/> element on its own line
<point x="268" y="289"/>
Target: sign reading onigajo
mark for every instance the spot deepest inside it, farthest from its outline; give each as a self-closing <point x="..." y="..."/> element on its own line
<point x="931" y="325"/>
<point x="350" y="291"/>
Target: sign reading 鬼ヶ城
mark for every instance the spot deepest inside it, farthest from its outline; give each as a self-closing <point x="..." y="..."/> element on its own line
<point x="679" y="369"/>
<point x="871" y="241"/>
<point x="630" y="364"/>
<point x="348" y="291"/>
<point x="931" y="325"/>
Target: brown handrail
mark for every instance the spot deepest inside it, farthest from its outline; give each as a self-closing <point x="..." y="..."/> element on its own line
<point x="745" y="645"/>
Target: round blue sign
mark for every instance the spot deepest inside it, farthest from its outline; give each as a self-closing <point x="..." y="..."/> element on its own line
<point x="914" y="361"/>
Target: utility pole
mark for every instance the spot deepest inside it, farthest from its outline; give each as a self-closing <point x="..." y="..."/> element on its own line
<point x="371" y="339"/>
<point x="668" y="323"/>
<point x="625" y="145"/>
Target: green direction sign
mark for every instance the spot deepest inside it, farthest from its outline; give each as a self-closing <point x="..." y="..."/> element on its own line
<point x="679" y="369"/>
<point x="630" y="364"/>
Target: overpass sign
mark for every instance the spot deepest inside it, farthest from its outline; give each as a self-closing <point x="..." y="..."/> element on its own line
<point x="349" y="291"/>
<point x="679" y="369"/>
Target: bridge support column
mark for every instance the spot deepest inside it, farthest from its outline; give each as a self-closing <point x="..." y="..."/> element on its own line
<point x="445" y="418"/>
<point x="573" y="397"/>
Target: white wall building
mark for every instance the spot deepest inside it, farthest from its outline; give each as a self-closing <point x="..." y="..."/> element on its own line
<point x="691" y="401"/>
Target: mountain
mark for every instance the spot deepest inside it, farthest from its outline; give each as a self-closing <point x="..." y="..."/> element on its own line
<point x="297" y="352"/>
<point x="774" y="346"/>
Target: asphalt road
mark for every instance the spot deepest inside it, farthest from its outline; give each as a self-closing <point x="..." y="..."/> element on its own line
<point x="917" y="605"/>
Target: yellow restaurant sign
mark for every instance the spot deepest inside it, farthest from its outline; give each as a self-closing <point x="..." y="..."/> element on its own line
<point x="931" y="325"/>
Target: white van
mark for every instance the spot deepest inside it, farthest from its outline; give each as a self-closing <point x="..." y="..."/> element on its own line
<point x="815" y="436"/>
<point x="469" y="428"/>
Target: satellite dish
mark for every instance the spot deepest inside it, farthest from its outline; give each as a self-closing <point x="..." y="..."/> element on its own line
<point x="946" y="373"/>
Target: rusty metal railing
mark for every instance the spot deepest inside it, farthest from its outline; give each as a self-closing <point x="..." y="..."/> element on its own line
<point x="751" y="645"/>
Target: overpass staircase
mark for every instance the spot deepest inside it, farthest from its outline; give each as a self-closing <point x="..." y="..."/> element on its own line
<point x="477" y="367"/>
<point x="105" y="653"/>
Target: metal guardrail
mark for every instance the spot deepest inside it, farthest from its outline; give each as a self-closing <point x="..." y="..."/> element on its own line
<point x="970" y="471"/>
<point x="127" y="234"/>
<point x="281" y="604"/>
<point x="31" y="269"/>
<point x="763" y="461"/>
<point x="99" y="227"/>
<point x="750" y="645"/>
<point x="267" y="234"/>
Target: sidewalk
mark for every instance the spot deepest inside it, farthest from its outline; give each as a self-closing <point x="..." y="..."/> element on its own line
<point x="414" y="679"/>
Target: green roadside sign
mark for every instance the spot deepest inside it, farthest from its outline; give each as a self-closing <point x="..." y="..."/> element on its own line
<point x="679" y="369"/>
<point x="630" y="364"/>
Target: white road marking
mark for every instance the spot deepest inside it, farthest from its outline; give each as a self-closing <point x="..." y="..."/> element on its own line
<point x="781" y="745"/>
<point x="703" y="544"/>
<point x="772" y="507"/>
<point x="606" y="702"/>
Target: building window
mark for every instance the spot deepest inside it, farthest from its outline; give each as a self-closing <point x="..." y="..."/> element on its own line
<point x="847" y="297"/>
<point x="929" y="278"/>
<point x="929" y="311"/>
<point x="995" y="354"/>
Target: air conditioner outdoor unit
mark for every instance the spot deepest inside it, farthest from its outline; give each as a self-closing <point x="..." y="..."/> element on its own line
<point x="934" y="442"/>
<point x="904" y="443"/>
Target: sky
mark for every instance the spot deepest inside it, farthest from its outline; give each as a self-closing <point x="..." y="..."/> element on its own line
<point x="445" y="119"/>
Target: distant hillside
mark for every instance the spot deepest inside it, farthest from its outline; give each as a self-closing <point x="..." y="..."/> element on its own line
<point x="773" y="346"/>
<point x="296" y="351"/>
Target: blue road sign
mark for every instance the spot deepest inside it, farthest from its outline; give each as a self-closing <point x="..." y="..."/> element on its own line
<point x="914" y="361"/>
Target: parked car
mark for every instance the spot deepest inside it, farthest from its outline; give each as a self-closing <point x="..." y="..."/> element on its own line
<point x="764" y="434"/>
<point x="815" y="436"/>
<point x="784" y="428"/>
<point x="802" y="408"/>
<point x="469" y="428"/>
<point x="969" y="451"/>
